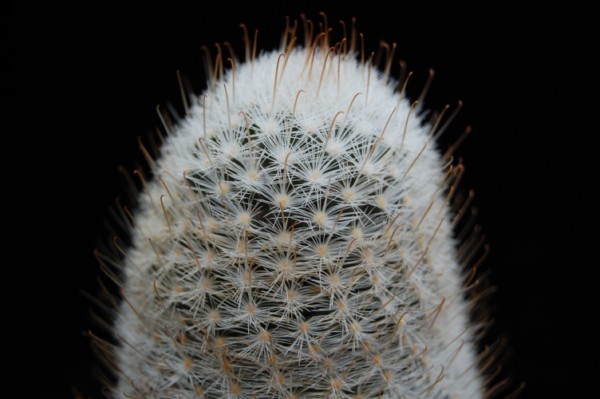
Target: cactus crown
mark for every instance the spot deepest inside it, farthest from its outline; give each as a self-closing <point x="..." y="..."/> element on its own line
<point x="296" y="242"/>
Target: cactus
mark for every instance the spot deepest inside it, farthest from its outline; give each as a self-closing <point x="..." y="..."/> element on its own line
<point x="297" y="242"/>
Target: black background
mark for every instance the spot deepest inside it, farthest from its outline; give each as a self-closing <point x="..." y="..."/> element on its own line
<point x="83" y="83"/>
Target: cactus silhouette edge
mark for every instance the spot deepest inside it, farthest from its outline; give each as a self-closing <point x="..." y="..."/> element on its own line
<point x="296" y="241"/>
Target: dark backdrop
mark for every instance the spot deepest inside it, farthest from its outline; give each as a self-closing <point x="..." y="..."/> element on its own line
<point x="85" y="83"/>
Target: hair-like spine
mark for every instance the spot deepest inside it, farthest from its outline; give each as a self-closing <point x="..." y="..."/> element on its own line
<point x="296" y="242"/>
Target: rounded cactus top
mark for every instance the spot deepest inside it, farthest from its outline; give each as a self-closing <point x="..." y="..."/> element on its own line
<point x="296" y="242"/>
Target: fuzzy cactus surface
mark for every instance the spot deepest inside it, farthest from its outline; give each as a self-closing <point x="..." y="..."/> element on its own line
<point x="296" y="242"/>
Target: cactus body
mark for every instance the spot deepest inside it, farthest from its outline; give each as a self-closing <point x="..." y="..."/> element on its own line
<point x="296" y="242"/>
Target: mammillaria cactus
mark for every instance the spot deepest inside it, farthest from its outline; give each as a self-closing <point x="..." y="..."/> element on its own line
<point x="296" y="242"/>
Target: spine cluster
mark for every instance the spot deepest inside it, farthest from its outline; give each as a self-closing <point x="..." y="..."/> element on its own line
<point x="296" y="242"/>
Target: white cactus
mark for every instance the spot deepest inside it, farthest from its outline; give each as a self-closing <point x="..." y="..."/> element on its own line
<point x="296" y="242"/>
